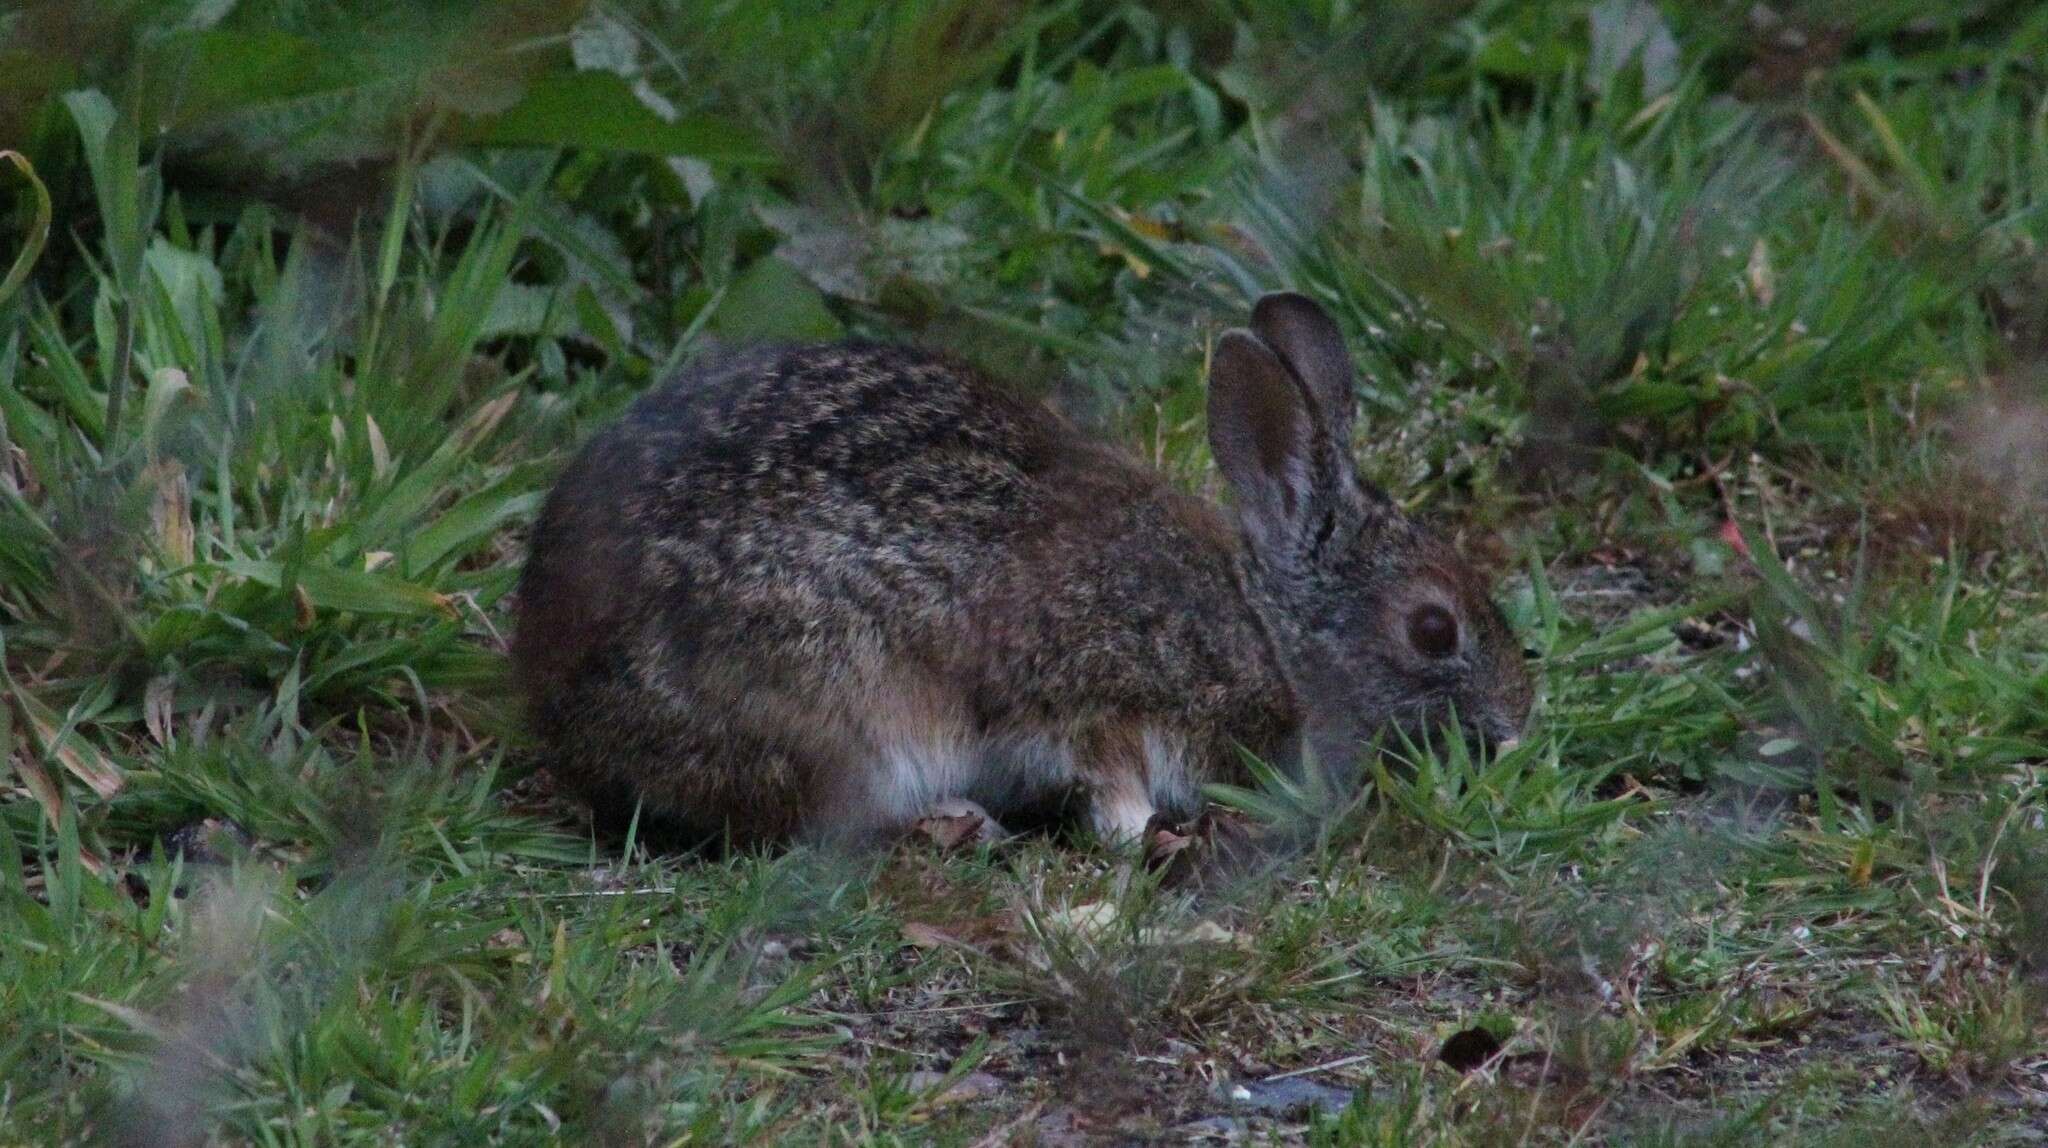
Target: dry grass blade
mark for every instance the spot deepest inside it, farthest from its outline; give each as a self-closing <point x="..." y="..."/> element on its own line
<point x="68" y="748"/>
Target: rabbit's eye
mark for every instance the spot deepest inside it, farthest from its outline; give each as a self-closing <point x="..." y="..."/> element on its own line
<point x="1433" y="632"/>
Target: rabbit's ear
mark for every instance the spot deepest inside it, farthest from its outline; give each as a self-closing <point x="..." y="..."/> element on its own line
<point x="1289" y="476"/>
<point x="1308" y="341"/>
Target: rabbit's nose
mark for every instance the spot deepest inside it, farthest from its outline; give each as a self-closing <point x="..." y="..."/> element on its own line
<point x="1499" y="734"/>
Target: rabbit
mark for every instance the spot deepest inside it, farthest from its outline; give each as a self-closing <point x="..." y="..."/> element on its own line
<point x="818" y="591"/>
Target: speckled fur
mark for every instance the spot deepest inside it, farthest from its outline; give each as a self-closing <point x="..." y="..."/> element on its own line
<point x="812" y="590"/>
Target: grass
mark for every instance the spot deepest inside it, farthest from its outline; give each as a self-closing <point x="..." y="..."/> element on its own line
<point x="1721" y="330"/>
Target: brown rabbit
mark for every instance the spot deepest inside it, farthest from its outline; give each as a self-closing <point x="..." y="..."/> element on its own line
<point x="823" y="590"/>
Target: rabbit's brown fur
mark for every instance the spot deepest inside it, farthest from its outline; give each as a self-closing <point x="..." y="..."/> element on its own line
<point x="817" y="590"/>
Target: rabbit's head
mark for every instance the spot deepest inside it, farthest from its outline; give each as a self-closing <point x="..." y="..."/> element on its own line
<point x="1380" y="624"/>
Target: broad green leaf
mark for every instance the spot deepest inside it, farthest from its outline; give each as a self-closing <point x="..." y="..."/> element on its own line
<point x="469" y="522"/>
<point x="192" y="282"/>
<point x="598" y="111"/>
<point x="1646" y="397"/>
<point x="112" y="153"/>
<point x="773" y="300"/>
<point x="334" y="588"/>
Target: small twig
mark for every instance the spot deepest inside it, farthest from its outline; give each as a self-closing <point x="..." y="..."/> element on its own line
<point x="1597" y="592"/>
<point x="1341" y="1062"/>
<point x="927" y="1054"/>
<point x="1491" y="1064"/>
<point x="1587" y="1125"/>
<point x="613" y="892"/>
<point x="1991" y="858"/>
<point x="952" y="1008"/>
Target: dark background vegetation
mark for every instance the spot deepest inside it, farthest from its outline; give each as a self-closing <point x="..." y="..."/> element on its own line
<point x="1720" y="329"/>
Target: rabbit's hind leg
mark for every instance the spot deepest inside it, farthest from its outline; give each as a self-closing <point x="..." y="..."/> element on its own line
<point x="921" y="759"/>
<point x="1132" y="771"/>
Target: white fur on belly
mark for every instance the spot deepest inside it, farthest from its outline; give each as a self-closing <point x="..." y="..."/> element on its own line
<point x="915" y="773"/>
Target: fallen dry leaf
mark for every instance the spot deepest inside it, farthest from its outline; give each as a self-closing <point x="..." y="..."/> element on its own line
<point x="158" y="700"/>
<point x="956" y="823"/>
<point x="78" y="756"/>
<point x="1732" y="535"/>
<point x="952" y="831"/>
<point x="1215" y="845"/>
<point x="925" y="936"/>
<point x="1163" y="845"/>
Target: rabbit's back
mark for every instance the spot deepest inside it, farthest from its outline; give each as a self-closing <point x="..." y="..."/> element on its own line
<point x="844" y="494"/>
